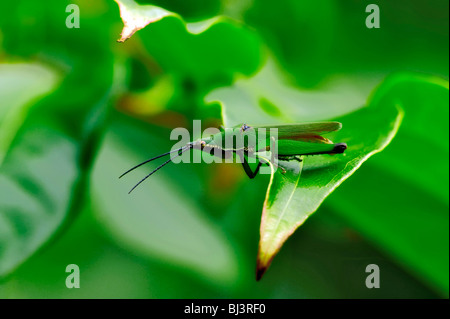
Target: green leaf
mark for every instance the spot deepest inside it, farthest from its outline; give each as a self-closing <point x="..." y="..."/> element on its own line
<point x="277" y="213"/>
<point x="425" y="131"/>
<point x="34" y="80"/>
<point x="403" y="210"/>
<point x="291" y="199"/>
<point x="20" y="84"/>
<point x="49" y="147"/>
<point x="269" y="98"/>
<point x="42" y="179"/>
<point x="425" y="100"/>
<point x="202" y="55"/>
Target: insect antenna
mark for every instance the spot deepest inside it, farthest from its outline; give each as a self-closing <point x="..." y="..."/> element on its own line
<point x="151" y="159"/>
<point x="181" y="151"/>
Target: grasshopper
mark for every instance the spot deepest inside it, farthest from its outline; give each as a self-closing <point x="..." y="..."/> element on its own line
<point x="292" y="143"/>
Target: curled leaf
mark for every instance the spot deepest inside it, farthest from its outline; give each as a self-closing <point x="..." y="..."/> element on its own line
<point x="136" y="17"/>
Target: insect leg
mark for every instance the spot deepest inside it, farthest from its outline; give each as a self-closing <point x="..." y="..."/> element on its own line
<point x="298" y="158"/>
<point x="283" y="170"/>
<point x="251" y="174"/>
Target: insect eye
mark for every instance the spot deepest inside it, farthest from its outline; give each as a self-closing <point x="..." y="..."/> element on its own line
<point x="245" y="127"/>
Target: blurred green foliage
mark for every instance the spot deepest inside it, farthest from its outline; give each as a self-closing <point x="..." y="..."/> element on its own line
<point x="77" y="109"/>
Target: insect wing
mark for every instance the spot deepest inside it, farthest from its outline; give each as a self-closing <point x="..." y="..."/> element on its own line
<point x="313" y="128"/>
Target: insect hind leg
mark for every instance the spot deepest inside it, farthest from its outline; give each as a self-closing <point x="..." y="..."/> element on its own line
<point x="248" y="170"/>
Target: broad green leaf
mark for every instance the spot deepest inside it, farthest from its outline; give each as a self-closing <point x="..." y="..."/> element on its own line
<point x="292" y="198"/>
<point x="425" y="100"/>
<point x="201" y="55"/>
<point x="51" y="146"/>
<point x="42" y="179"/>
<point x="268" y="97"/>
<point x="206" y="53"/>
<point x="35" y="194"/>
<point x="136" y="17"/>
<point x="404" y="208"/>
<point x="20" y="84"/>
<point x="159" y="219"/>
<point x="422" y="98"/>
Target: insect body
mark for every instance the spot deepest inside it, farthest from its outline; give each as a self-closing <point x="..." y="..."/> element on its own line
<point x="285" y="142"/>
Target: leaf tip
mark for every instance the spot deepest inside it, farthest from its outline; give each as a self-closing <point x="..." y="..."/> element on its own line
<point x="260" y="271"/>
<point x="262" y="264"/>
<point x="127" y="33"/>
